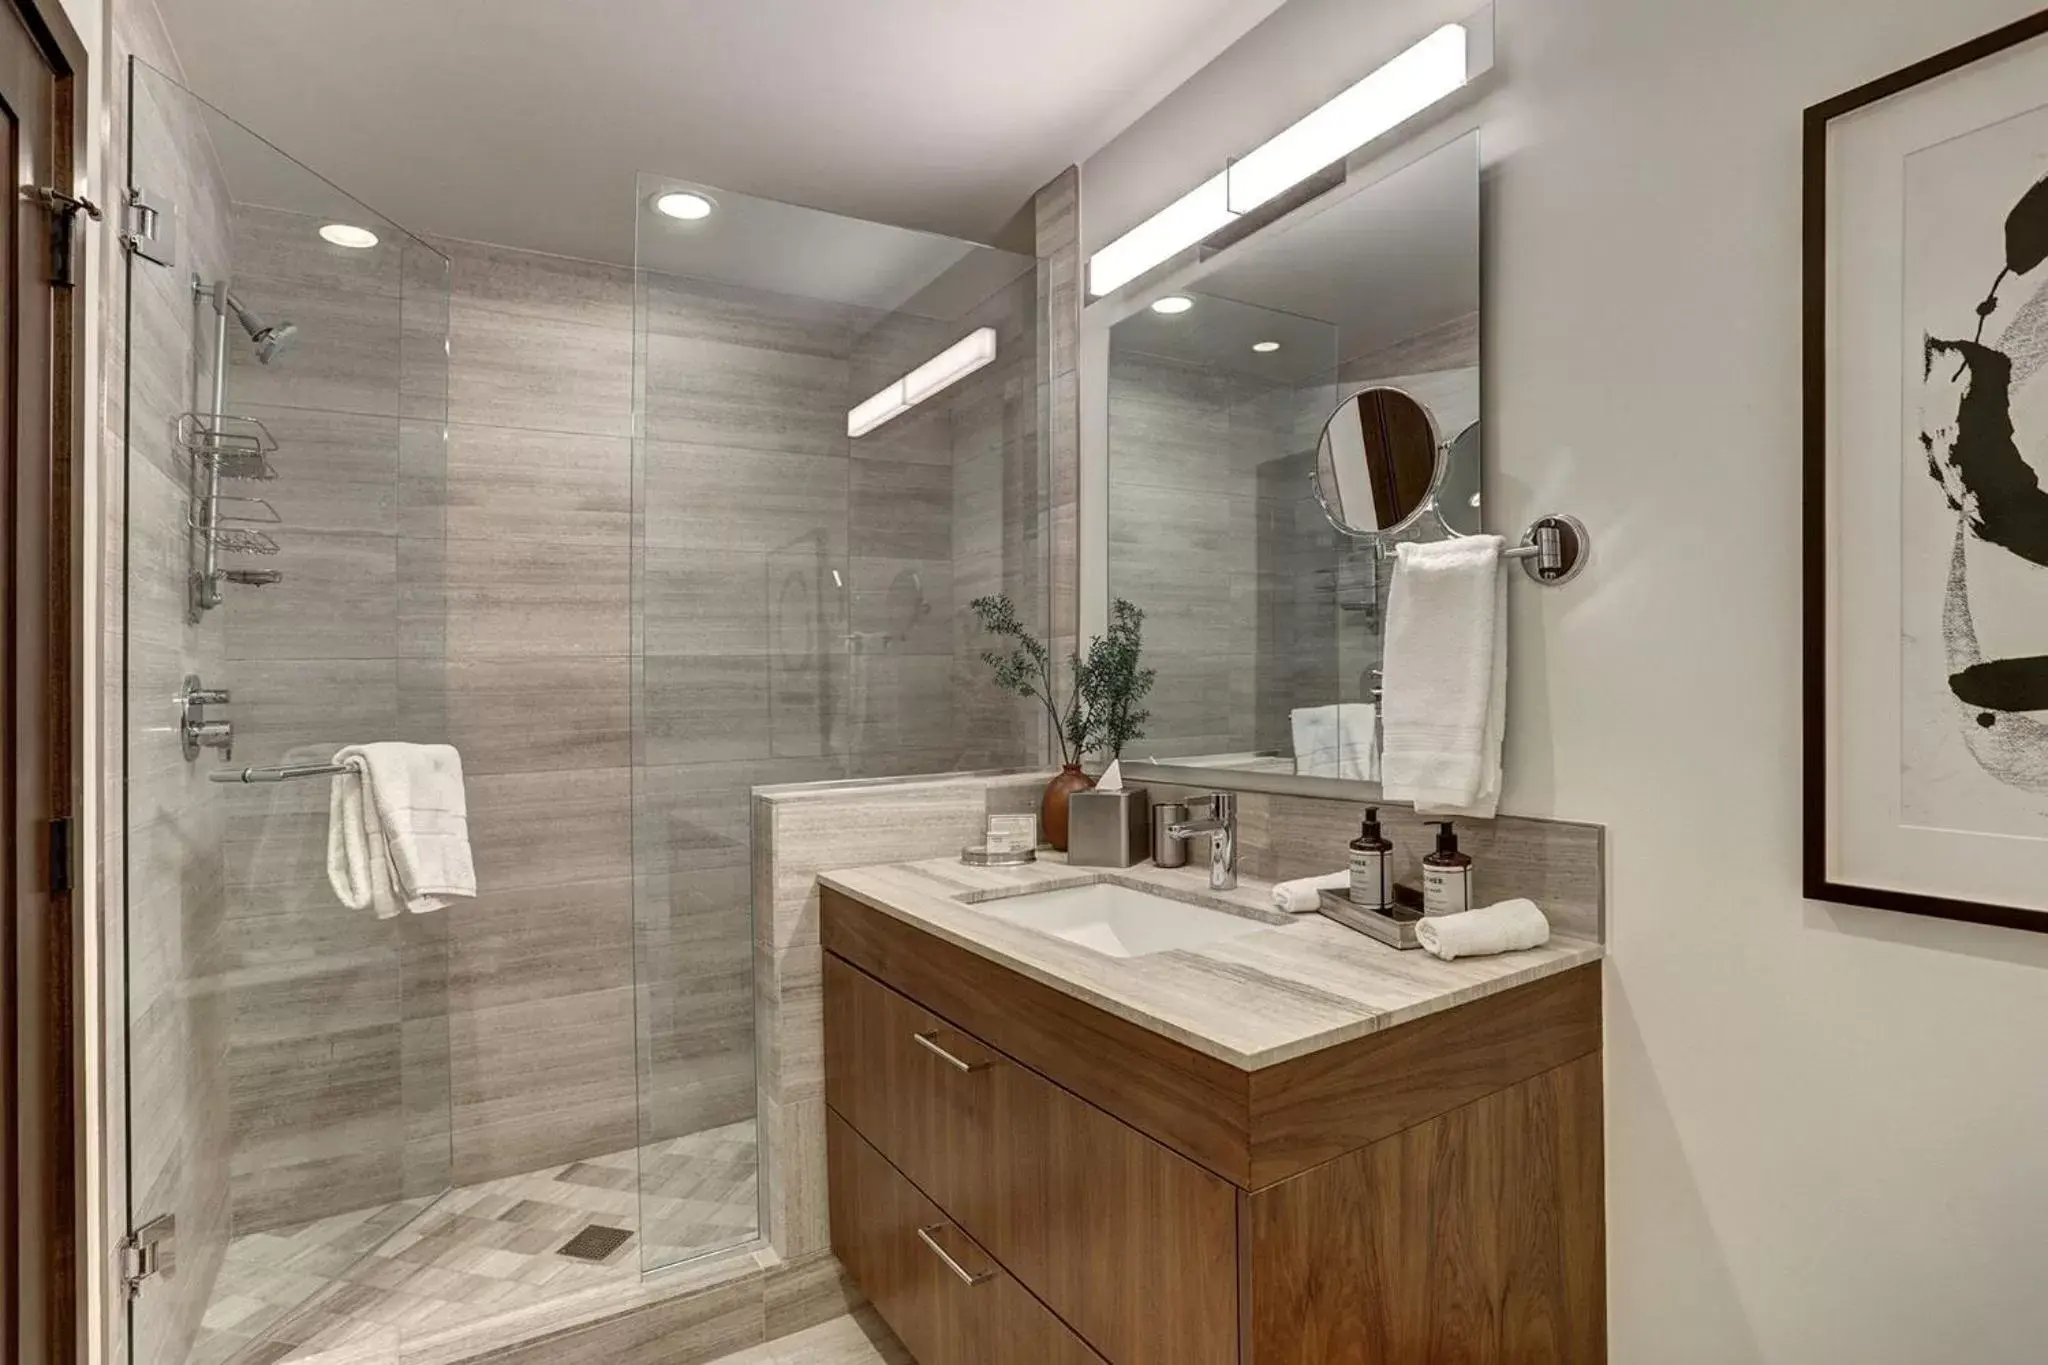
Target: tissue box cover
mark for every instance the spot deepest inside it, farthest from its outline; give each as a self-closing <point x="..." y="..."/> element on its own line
<point x="1109" y="829"/>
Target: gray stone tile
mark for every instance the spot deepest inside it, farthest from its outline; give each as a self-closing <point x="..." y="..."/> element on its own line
<point x="529" y="598"/>
<point x="549" y="828"/>
<point x="709" y="392"/>
<point x="703" y="602"/>
<point x="801" y="1295"/>
<point x="538" y="373"/>
<point x="309" y="708"/>
<point x="740" y="499"/>
<point x="793" y="1155"/>
<point x="708" y="310"/>
<point x="703" y="708"/>
<point x="860" y="1338"/>
<point x="338" y="600"/>
<point x="535" y="943"/>
<point x="422" y="479"/>
<point x="336" y="471"/>
<point x="344" y="358"/>
<point x="525" y="715"/>
<point x="566" y="489"/>
<point x="541" y="1081"/>
<point x="547" y="288"/>
<point x="685" y="1331"/>
<point x="907" y="605"/>
<point x="901" y="511"/>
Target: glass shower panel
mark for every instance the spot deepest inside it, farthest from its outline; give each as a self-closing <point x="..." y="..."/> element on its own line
<point x="287" y="1060"/>
<point x="799" y="614"/>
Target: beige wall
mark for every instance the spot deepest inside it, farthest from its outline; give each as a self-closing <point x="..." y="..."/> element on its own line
<point x="1822" y="1122"/>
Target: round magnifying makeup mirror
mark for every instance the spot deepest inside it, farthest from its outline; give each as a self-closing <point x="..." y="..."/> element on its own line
<point x="1378" y="463"/>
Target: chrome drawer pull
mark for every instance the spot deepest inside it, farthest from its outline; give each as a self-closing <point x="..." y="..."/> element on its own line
<point x="925" y="1235"/>
<point x="930" y="1043"/>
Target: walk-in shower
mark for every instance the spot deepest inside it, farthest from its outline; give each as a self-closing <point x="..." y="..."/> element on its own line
<point x="605" y="531"/>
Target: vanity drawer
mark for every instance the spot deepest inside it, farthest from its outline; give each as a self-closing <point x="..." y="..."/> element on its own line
<point x="1132" y="1244"/>
<point x="945" y="1297"/>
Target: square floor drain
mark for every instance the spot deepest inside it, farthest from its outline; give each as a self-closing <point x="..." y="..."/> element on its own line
<point x="594" y="1243"/>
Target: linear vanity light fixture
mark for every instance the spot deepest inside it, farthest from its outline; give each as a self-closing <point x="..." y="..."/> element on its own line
<point x="1396" y="92"/>
<point x="948" y="367"/>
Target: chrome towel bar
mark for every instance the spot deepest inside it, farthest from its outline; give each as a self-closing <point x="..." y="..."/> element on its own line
<point x="278" y="774"/>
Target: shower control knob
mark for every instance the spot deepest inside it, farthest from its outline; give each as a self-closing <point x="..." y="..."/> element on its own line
<point x="215" y="734"/>
<point x="195" y="731"/>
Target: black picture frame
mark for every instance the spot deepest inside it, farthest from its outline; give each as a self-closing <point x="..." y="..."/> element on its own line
<point x="1817" y="884"/>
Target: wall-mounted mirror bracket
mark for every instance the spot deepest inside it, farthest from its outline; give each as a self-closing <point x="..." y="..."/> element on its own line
<point x="1553" y="549"/>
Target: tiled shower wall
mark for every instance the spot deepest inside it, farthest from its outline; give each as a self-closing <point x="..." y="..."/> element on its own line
<point x="338" y="1050"/>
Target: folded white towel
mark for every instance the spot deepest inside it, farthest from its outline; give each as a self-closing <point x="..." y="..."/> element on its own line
<point x="1300" y="896"/>
<point x="1505" y="928"/>
<point x="398" y="829"/>
<point x="1336" y="741"/>
<point x="1444" y="707"/>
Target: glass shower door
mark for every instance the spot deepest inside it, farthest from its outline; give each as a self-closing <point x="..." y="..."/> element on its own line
<point x="800" y="590"/>
<point x="286" y="1066"/>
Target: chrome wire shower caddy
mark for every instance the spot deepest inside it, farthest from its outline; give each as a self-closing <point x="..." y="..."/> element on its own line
<point x="221" y="448"/>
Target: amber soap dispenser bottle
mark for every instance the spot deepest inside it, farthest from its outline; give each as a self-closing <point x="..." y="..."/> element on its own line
<point x="1446" y="875"/>
<point x="1372" y="885"/>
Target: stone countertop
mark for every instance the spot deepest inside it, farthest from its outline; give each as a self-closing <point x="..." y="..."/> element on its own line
<point x="1305" y="984"/>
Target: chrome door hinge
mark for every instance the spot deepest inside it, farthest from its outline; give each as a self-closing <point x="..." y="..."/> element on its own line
<point x="63" y="210"/>
<point x="147" y="1252"/>
<point x="149" y="227"/>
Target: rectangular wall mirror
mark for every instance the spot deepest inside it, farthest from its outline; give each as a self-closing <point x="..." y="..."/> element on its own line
<point x="1297" y="403"/>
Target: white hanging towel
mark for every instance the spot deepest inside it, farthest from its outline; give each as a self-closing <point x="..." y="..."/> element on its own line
<point x="398" y="829"/>
<point x="1335" y="741"/>
<point x="1445" y="699"/>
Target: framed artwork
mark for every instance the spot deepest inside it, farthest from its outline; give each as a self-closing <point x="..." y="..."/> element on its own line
<point x="1926" y="537"/>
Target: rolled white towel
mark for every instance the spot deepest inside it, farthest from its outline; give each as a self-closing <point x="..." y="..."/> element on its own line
<point x="1300" y="896"/>
<point x="1505" y="928"/>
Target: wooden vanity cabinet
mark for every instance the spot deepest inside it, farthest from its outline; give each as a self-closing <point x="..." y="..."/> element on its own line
<point x="1017" y="1176"/>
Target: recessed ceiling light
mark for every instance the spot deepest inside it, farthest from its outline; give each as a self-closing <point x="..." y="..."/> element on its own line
<point x="684" y="204"/>
<point x="1265" y="347"/>
<point x="345" y="234"/>
<point x="1172" y="304"/>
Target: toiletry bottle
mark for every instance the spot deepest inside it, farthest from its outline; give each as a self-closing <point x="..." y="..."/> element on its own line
<point x="1372" y="884"/>
<point x="1446" y="875"/>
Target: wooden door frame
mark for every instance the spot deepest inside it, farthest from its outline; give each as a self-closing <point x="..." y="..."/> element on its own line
<point x="58" y="1273"/>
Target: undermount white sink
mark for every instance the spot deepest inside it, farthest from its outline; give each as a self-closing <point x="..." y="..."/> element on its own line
<point x="1120" y="921"/>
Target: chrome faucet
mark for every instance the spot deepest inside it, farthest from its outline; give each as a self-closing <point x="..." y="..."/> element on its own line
<point x="1221" y="827"/>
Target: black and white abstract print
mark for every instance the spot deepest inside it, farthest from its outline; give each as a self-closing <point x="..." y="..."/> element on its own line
<point x="1974" y="511"/>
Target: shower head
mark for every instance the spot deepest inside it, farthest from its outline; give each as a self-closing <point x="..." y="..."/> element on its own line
<point x="269" y="339"/>
<point x="272" y="340"/>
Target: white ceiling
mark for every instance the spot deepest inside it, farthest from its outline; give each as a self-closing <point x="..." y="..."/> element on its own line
<point x="523" y="122"/>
